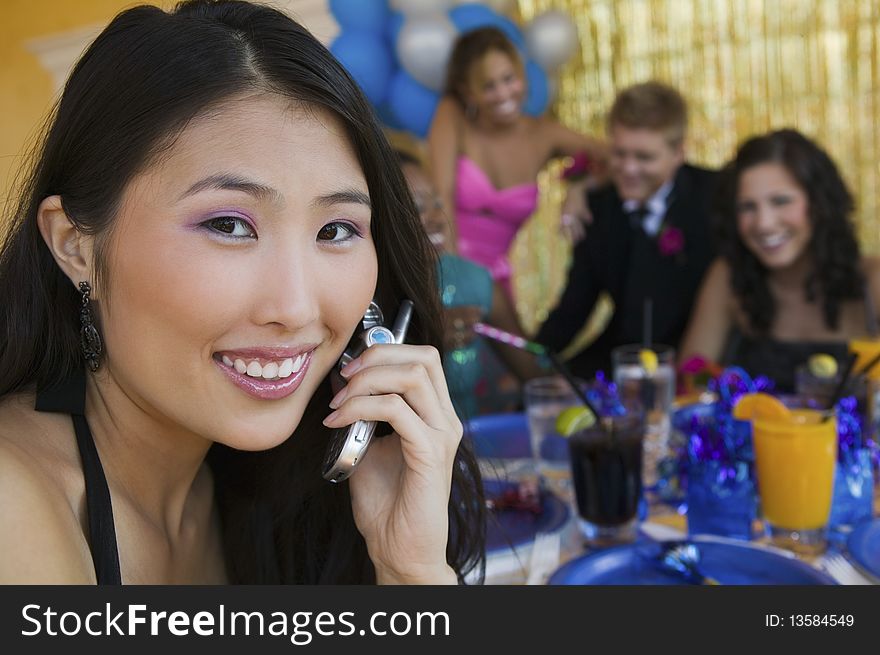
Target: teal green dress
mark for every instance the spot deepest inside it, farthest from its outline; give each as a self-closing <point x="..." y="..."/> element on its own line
<point x="478" y="382"/>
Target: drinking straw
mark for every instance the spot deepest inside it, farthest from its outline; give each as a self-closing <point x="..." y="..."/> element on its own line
<point x="867" y="367"/>
<point x="536" y="349"/>
<point x="562" y="369"/>
<point x="647" y="321"/>
<point x="510" y="339"/>
<point x="845" y="380"/>
<point x="648" y="388"/>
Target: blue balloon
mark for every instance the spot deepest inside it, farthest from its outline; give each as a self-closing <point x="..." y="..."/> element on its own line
<point x="364" y="15"/>
<point x="367" y="59"/>
<point x="387" y="117"/>
<point x="471" y="16"/>
<point x="539" y="90"/>
<point x="393" y="27"/>
<point x="412" y="104"/>
<point x="511" y="31"/>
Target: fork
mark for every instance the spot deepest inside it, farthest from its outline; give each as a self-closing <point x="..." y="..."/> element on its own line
<point x="840" y="568"/>
<point x="544" y="557"/>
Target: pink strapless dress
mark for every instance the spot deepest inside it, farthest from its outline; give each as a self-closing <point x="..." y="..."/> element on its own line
<point x="489" y="218"/>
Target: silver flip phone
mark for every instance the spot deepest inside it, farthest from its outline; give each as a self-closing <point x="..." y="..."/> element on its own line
<point x="349" y="445"/>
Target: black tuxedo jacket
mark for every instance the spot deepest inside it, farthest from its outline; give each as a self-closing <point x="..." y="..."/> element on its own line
<point x="621" y="259"/>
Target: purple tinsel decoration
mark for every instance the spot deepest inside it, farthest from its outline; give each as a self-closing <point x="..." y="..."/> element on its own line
<point x="603" y="394"/>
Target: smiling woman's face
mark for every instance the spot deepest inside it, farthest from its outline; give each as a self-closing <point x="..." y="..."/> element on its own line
<point x="496" y="87"/>
<point x="238" y="268"/>
<point x="773" y="215"/>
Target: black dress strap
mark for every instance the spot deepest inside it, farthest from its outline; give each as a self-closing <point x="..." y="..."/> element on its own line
<point x="69" y="398"/>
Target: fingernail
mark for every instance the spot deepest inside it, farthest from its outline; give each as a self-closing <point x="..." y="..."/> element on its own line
<point x="338" y="398"/>
<point x="351" y="368"/>
<point x="331" y="418"/>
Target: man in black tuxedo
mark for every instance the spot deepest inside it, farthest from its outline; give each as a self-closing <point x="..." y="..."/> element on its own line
<point x="649" y="241"/>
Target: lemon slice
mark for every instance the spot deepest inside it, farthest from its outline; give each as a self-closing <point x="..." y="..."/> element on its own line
<point x="760" y="405"/>
<point x="574" y="419"/>
<point x="649" y="361"/>
<point x="822" y="366"/>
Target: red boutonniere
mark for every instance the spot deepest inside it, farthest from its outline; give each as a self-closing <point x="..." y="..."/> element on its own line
<point x="578" y="169"/>
<point x="670" y="242"/>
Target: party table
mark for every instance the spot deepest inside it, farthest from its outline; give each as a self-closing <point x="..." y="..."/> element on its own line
<point x="501" y="443"/>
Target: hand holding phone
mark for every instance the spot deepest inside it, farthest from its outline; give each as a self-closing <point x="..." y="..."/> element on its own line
<point x="348" y="445"/>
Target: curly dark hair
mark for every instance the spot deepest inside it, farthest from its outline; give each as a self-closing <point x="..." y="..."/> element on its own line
<point x="836" y="275"/>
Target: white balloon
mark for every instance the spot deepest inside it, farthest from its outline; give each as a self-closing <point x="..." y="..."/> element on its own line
<point x="551" y="39"/>
<point x="423" y="48"/>
<point x="498" y="6"/>
<point x="415" y="7"/>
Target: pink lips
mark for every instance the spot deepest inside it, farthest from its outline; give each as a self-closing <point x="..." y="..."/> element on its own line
<point x="267" y="389"/>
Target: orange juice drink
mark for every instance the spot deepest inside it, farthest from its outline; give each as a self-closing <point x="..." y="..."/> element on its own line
<point x="795" y="459"/>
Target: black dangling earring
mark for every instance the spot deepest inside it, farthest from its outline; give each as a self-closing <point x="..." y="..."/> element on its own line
<point x="89" y="339"/>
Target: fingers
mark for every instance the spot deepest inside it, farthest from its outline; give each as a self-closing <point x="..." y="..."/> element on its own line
<point x="410" y="380"/>
<point x="421" y="442"/>
<point x="425" y="356"/>
<point x="585" y="216"/>
<point x="573" y="228"/>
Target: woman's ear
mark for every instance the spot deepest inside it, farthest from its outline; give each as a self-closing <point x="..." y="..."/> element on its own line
<point x="71" y="248"/>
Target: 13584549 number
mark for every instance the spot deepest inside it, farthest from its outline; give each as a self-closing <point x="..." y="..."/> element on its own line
<point x="821" y="620"/>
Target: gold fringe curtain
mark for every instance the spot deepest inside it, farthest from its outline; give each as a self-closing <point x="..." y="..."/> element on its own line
<point x="745" y="66"/>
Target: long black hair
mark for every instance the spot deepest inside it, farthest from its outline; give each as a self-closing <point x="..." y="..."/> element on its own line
<point x="836" y="274"/>
<point x="145" y="77"/>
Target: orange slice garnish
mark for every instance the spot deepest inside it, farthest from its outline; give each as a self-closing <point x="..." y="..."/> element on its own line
<point x="760" y="405"/>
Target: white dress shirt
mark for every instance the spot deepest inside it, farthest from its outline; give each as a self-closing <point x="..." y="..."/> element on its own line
<point x="656" y="208"/>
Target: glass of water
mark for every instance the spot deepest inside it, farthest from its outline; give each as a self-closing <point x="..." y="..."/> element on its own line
<point x="646" y="383"/>
<point x="545" y="399"/>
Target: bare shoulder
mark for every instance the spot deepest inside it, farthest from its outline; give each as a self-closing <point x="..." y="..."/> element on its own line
<point x="718" y="276"/>
<point x="41" y="535"/>
<point x="448" y="109"/>
<point x="717" y="289"/>
<point x="871" y="268"/>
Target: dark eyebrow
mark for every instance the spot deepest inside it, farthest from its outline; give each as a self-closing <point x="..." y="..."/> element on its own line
<point x="350" y="195"/>
<point x="228" y="181"/>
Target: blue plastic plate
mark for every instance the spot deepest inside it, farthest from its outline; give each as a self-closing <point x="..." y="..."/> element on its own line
<point x="500" y="436"/>
<point x="728" y="563"/>
<point x="512" y="528"/>
<point x="864" y="546"/>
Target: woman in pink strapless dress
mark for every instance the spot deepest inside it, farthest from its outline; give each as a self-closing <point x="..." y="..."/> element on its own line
<point x="486" y="153"/>
<point x="488" y="218"/>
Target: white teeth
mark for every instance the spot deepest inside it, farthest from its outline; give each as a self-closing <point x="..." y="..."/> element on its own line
<point x="269" y="370"/>
<point x="772" y="242"/>
<point x="286" y="368"/>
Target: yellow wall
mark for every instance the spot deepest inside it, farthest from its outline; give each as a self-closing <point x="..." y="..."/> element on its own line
<point x="26" y="87"/>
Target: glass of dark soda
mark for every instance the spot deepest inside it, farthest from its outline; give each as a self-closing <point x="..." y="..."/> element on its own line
<point x="606" y="465"/>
